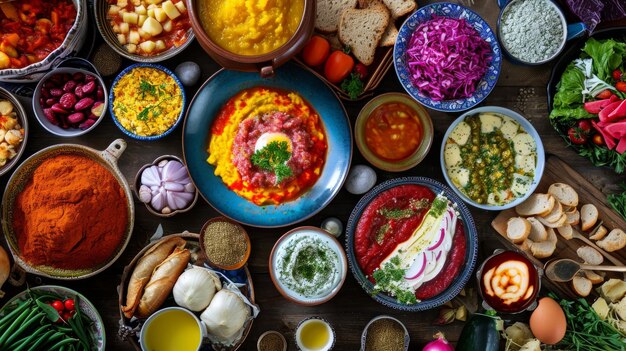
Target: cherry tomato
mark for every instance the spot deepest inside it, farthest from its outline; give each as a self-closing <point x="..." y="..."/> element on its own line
<point x="617" y="75"/>
<point x="598" y="140"/>
<point x="585" y="126"/>
<point x="316" y="51"/>
<point x="67" y="315"/>
<point x="338" y="66"/>
<point x="69" y="304"/>
<point x="361" y="70"/>
<point x="58" y="305"/>
<point x="576" y="136"/>
<point x="621" y="86"/>
<point x="604" y="94"/>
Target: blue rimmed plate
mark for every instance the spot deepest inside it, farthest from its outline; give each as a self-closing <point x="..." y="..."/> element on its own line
<point x="112" y="100"/>
<point x="471" y="248"/>
<point x="449" y="10"/>
<point x="205" y="106"/>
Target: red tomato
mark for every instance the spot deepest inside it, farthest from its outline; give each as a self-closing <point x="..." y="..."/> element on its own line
<point x="316" y="51"/>
<point x="604" y="94"/>
<point x="67" y="315"/>
<point x="617" y="74"/>
<point x="585" y="126"/>
<point x="361" y="70"/>
<point x="338" y="66"/>
<point x="576" y="136"/>
<point x="621" y="86"/>
<point x="58" y="305"/>
<point x="69" y="304"/>
<point x="597" y="139"/>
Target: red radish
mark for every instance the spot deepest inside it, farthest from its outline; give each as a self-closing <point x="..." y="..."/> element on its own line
<point x="610" y="142"/>
<point x="616" y="130"/>
<point x="441" y="344"/>
<point x="614" y="97"/>
<point x="443" y="234"/>
<point x="595" y="107"/>
<point x="619" y="112"/>
<point x="621" y="146"/>
<point x="607" y="110"/>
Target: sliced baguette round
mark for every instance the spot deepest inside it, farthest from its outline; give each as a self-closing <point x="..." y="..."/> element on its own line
<point x="594" y="277"/>
<point x="537" y="230"/>
<point x="615" y="240"/>
<point x="544" y="248"/>
<point x="564" y="194"/>
<point x="599" y="234"/>
<point x="573" y="218"/>
<point x="517" y="229"/>
<point x="588" y="216"/>
<point x="536" y="205"/>
<point x="590" y="255"/>
<point x="558" y="223"/>
<point x="582" y="286"/>
<point x="555" y="214"/>
<point x="566" y="231"/>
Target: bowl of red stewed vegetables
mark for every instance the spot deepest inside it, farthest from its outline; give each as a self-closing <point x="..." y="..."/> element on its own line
<point x="393" y="132"/>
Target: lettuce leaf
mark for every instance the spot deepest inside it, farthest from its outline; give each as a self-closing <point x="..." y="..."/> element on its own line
<point x="569" y="97"/>
<point x="607" y="55"/>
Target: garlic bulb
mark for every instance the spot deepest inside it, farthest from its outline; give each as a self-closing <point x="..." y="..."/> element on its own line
<point x="167" y="187"/>
<point x="195" y="288"/>
<point x="225" y="316"/>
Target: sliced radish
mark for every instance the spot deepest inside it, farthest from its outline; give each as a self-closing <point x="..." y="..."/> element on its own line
<point x="417" y="268"/>
<point x="440" y="240"/>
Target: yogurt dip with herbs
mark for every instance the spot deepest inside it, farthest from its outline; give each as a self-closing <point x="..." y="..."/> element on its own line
<point x="531" y="30"/>
<point x="308" y="266"/>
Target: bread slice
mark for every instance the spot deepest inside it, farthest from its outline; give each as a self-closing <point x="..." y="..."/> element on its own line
<point x="590" y="255"/>
<point x="361" y="31"/>
<point x="399" y="8"/>
<point x="537" y="230"/>
<point x="536" y="205"/>
<point x="517" y="229"/>
<point x="564" y="194"/>
<point x="328" y="13"/>
<point x="569" y="209"/>
<point x="615" y="240"/>
<point x="613" y="290"/>
<point x="573" y="218"/>
<point x="555" y="214"/>
<point x="582" y="286"/>
<point x="599" y="233"/>
<point x="594" y="277"/>
<point x="566" y="231"/>
<point x="525" y="245"/>
<point x="391" y="32"/>
<point x="544" y="248"/>
<point x="588" y="216"/>
<point x="559" y="222"/>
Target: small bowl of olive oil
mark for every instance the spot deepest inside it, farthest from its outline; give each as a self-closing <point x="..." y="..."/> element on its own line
<point x="315" y="334"/>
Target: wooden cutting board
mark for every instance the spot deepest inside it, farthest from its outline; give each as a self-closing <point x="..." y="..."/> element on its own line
<point x="557" y="171"/>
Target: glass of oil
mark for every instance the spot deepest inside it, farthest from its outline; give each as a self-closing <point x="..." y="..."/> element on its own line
<point x="315" y="334"/>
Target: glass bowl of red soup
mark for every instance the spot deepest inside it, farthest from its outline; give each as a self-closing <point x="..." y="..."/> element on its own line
<point x="509" y="282"/>
<point x="393" y="132"/>
<point x="411" y="243"/>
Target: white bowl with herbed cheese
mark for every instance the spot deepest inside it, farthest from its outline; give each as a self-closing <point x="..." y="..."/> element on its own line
<point x="492" y="158"/>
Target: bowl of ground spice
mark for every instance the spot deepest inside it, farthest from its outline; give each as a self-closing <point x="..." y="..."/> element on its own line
<point x="225" y="243"/>
<point x="271" y="341"/>
<point x="67" y="211"/>
<point x="384" y="333"/>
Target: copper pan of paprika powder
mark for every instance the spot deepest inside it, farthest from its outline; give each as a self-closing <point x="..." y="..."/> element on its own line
<point x="67" y="211"/>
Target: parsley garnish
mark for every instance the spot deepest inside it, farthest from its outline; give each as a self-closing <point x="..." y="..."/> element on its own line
<point x="273" y="157"/>
<point x="389" y="278"/>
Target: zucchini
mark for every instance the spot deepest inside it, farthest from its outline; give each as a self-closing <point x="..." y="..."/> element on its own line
<point x="481" y="332"/>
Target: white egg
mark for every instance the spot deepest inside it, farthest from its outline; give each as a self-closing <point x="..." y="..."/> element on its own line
<point x="267" y="138"/>
<point x="360" y="179"/>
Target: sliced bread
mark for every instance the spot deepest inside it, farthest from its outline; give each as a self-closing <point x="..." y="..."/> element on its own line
<point x="544" y="248"/>
<point x="517" y="229"/>
<point x="361" y="30"/>
<point x="599" y="233"/>
<point x="391" y="32"/>
<point x="615" y="240"/>
<point x="582" y="286"/>
<point x="573" y="218"/>
<point x="536" y="205"/>
<point x="590" y="255"/>
<point x="594" y="277"/>
<point x="558" y="223"/>
<point x="399" y="8"/>
<point x="555" y="214"/>
<point x="537" y="230"/>
<point x="328" y="13"/>
<point x="588" y="216"/>
<point x="564" y="194"/>
<point x="566" y="231"/>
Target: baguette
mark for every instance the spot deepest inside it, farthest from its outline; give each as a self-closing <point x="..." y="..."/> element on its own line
<point x="599" y="234"/>
<point x="616" y="240"/>
<point x="536" y="205"/>
<point x="558" y="223"/>
<point x="537" y="230"/>
<point x="544" y="248"/>
<point x="555" y="214"/>
<point x="566" y="231"/>
<point x="582" y="286"/>
<point x="517" y="229"/>
<point x="564" y="194"/>
<point x="144" y="268"/>
<point x="573" y="218"/>
<point x="162" y="282"/>
<point x="594" y="277"/>
<point x="588" y="216"/>
<point x="590" y="255"/>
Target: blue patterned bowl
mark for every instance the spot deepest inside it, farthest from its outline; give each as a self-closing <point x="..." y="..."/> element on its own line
<point x="471" y="250"/>
<point x="449" y="10"/>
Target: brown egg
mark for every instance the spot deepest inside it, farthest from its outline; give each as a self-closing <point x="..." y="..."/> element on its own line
<point x="548" y="321"/>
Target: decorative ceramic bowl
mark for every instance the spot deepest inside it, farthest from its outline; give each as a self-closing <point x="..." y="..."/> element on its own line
<point x="444" y="9"/>
<point x="315" y="234"/>
<point x="265" y="63"/>
<point x="86" y="307"/>
<point x="112" y="101"/>
<point x="397" y="165"/>
<point x="101" y="8"/>
<point x="381" y="317"/>
<point x="23" y="120"/>
<point x="471" y="245"/>
<point x="525" y="124"/>
<point x="137" y="185"/>
<point x="331" y="331"/>
<point x="245" y="236"/>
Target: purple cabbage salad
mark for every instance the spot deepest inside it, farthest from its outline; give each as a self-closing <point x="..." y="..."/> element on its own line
<point x="447" y="58"/>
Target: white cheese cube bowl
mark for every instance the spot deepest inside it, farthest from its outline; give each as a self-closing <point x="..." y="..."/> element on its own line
<point x="539" y="162"/>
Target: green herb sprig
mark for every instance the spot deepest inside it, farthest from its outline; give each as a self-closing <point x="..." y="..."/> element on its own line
<point x="618" y="201"/>
<point x="273" y="157"/>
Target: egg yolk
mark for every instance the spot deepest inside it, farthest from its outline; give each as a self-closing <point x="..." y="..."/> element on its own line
<point x="267" y="138"/>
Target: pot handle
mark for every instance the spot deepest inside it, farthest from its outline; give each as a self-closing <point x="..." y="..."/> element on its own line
<point x="114" y="151"/>
<point x="78" y="62"/>
<point x="267" y="71"/>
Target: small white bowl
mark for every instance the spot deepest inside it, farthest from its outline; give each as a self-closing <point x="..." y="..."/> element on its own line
<point x="298" y="335"/>
<point x="541" y="158"/>
<point x="155" y="315"/>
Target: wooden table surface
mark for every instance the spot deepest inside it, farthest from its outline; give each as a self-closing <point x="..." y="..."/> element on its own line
<point x="519" y="88"/>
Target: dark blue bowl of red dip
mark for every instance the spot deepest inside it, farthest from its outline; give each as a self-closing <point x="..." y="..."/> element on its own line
<point x="460" y="260"/>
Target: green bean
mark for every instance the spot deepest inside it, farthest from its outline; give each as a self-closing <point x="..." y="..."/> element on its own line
<point x="63" y="329"/>
<point x="44" y="340"/>
<point x="16" y="323"/>
<point x="23" y="327"/>
<point x="60" y="344"/>
<point x="21" y="307"/>
<point x="78" y="329"/>
<point x="28" y="339"/>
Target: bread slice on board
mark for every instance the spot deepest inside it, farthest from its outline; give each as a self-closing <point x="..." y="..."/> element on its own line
<point x="594" y="277"/>
<point x="590" y="255"/>
<point x="400" y="8"/>
<point x="536" y="205"/>
<point x="566" y="231"/>
<point x="588" y="216"/>
<point x="564" y="194"/>
<point x="361" y="30"/>
<point x="544" y="248"/>
<point x="615" y="240"/>
<point x="582" y="286"/>
<point x="573" y="218"/>
<point x="517" y="229"/>
<point x="558" y="223"/>
<point x="555" y="214"/>
<point x="391" y="32"/>
<point x="328" y="13"/>
<point x="599" y="234"/>
<point x="537" y="230"/>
